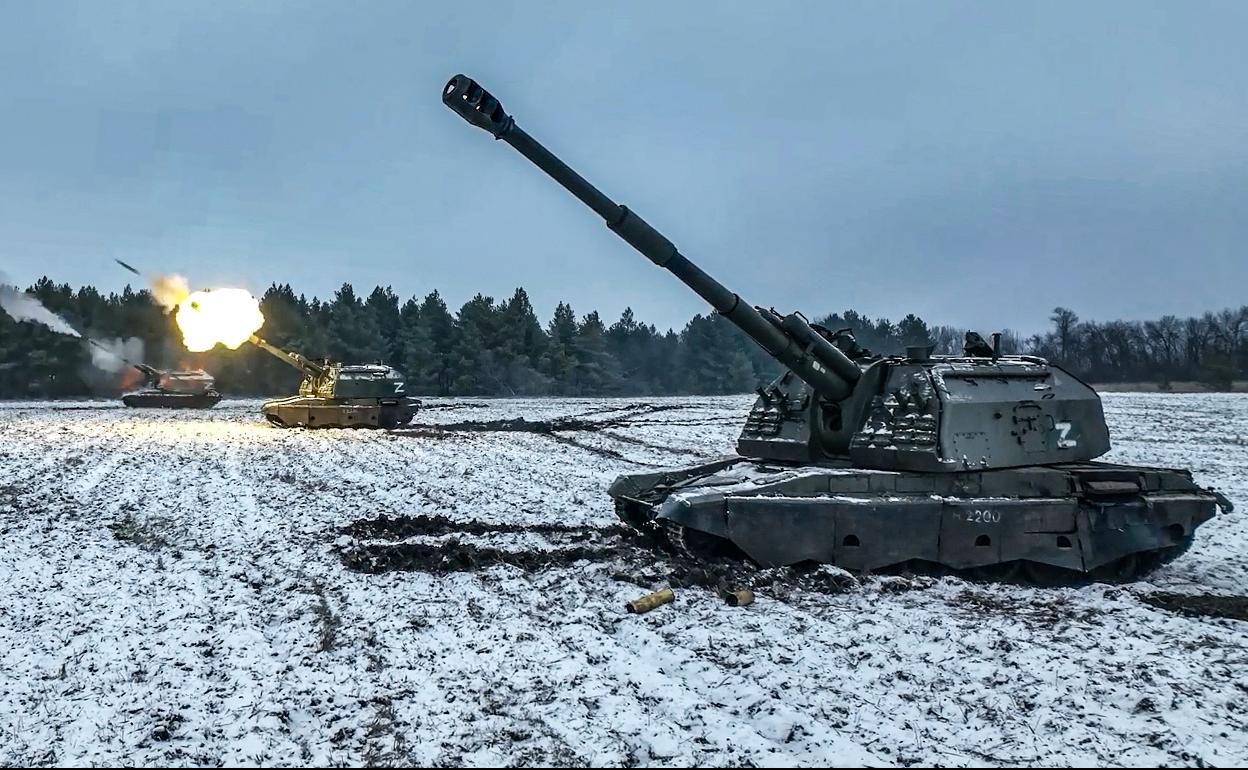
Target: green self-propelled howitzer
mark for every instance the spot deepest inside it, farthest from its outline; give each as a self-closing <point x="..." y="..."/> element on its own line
<point x="979" y="462"/>
<point x="334" y="395"/>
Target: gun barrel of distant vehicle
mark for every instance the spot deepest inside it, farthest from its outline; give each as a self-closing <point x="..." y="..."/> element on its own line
<point x="823" y="366"/>
<point x="293" y="359"/>
<point x="113" y="354"/>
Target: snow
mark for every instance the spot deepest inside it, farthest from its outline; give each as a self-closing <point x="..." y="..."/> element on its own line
<point x="173" y="591"/>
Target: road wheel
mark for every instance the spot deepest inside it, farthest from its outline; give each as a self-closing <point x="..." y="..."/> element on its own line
<point x="1121" y="570"/>
<point x="697" y="546"/>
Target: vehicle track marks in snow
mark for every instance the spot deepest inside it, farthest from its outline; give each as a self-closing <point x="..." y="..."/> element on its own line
<point x="414" y="525"/>
<point x="1200" y="605"/>
<point x="243" y="638"/>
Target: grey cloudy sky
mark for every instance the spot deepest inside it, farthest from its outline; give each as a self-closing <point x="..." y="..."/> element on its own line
<point x="976" y="163"/>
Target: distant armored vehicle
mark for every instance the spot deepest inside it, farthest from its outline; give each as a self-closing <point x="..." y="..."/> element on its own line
<point x="333" y="395"/>
<point x="192" y="389"/>
<point x="980" y="462"/>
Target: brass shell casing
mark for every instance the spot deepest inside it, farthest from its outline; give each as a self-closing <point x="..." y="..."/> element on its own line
<point x="650" y="601"/>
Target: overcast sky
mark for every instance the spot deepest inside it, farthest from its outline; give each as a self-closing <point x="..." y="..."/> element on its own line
<point x="976" y="163"/>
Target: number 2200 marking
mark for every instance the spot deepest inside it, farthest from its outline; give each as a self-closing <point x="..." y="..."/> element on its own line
<point x="982" y="516"/>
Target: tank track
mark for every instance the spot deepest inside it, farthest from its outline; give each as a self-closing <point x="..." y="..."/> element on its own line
<point x="283" y="413"/>
<point x="702" y="548"/>
<point x="158" y="400"/>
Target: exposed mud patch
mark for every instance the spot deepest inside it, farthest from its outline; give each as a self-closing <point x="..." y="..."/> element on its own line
<point x="77" y="407"/>
<point x="518" y="425"/>
<point x="150" y="535"/>
<point x="698" y="422"/>
<point x="400" y="527"/>
<point x="641" y="559"/>
<point x="454" y="556"/>
<point x="635" y="561"/>
<point x="576" y="543"/>
<point x="725" y="576"/>
<point x="451" y="407"/>
<point x="1200" y="605"/>
<point x="1045" y="612"/>
<point x="431" y="432"/>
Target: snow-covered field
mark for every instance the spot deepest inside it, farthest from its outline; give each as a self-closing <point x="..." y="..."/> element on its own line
<point x="173" y="591"/>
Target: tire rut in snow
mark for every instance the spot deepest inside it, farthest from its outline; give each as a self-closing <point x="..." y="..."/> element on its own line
<point x="454" y="556"/>
<point x="400" y="527"/>
<point x="579" y="543"/>
<point x="1200" y="605"/>
<point x="569" y="423"/>
<point x="598" y="450"/>
<point x="636" y="558"/>
<point x="555" y="429"/>
<point x="676" y="450"/>
<point x="448" y="407"/>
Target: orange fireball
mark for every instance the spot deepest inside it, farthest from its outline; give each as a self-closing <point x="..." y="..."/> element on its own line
<point x="218" y="316"/>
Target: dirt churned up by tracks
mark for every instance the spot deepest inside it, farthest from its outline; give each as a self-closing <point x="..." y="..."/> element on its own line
<point x="199" y="589"/>
<point x="635" y="558"/>
<point x="1200" y="605"/>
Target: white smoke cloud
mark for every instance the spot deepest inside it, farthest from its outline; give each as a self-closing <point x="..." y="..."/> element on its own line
<point x="24" y="307"/>
<point x="114" y="355"/>
<point x="107" y="355"/>
<point x="169" y="290"/>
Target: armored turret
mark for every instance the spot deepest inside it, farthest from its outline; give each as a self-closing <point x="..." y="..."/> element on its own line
<point x="914" y="413"/>
<point x="977" y="462"/>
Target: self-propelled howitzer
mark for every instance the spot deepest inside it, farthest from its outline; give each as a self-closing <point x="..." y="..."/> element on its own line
<point x="188" y="389"/>
<point x="333" y="395"/>
<point x="977" y="462"/>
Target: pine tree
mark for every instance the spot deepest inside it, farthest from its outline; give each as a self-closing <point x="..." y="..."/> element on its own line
<point x="249" y="369"/>
<point x="478" y="371"/>
<point x="630" y="344"/>
<point x="560" y="359"/>
<point x="594" y="371"/>
<point x="354" y="336"/>
<point x="439" y="327"/>
<point x="522" y="346"/>
<point x="383" y="306"/>
<point x="416" y="341"/>
<point x="913" y="332"/>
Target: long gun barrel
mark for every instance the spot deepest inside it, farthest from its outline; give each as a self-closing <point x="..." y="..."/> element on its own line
<point x="294" y="359"/>
<point x="788" y="339"/>
<point x="151" y="374"/>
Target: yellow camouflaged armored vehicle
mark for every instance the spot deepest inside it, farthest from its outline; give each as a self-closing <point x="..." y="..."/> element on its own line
<point x="334" y="395"/>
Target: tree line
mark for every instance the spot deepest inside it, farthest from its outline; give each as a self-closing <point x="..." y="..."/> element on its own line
<point x="1211" y="349"/>
<point x="501" y="348"/>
